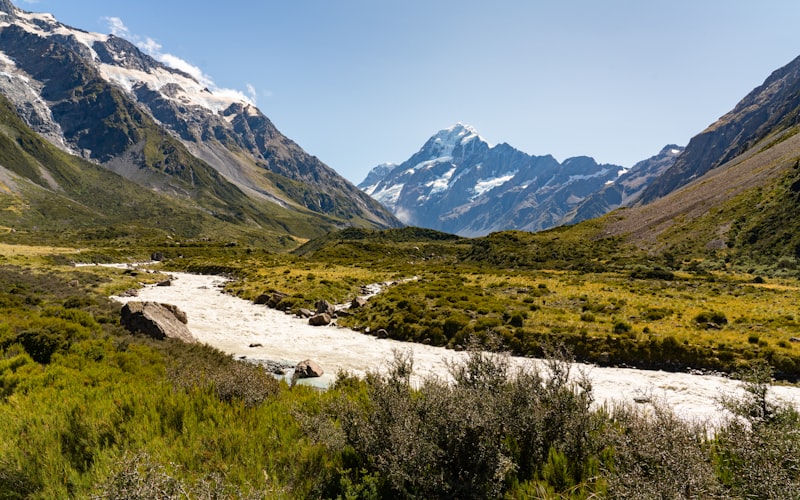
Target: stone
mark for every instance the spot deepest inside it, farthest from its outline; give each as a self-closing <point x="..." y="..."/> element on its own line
<point x="382" y="334"/>
<point x="164" y="283"/>
<point x="308" y="369"/>
<point x="358" y="303"/>
<point x="275" y="299"/>
<point x="325" y="307"/>
<point x="157" y="256"/>
<point x="320" y="319"/>
<point x="159" y="321"/>
<point x="305" y="313"/>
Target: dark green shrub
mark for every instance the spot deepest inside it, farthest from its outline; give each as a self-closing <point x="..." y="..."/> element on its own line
<point x="711" y="318"/>
<point x="621" y="327"/>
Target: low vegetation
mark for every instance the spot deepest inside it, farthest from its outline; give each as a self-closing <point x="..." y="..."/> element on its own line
<point x="92" y="411"/>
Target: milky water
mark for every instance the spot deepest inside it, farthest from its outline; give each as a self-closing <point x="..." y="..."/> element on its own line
<point x="234" y="325"/>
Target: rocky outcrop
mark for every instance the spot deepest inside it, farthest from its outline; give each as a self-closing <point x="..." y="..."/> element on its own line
<point x="159" y="321"/>
<point x="770" y="108"/>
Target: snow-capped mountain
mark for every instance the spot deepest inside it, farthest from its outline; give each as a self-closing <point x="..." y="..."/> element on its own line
<point x="100" y="97"/>
<point x="461" y="184"/>
<point x="625" y="190"/>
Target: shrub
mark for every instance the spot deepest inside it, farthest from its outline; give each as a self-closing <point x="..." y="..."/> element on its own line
<point x="465" y="440"/>
<point x="711" y="317"/>
<point x="621" y="327"/>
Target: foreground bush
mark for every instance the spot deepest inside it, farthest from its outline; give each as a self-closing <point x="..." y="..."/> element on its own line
<point x="490" y="428"/>
<point x="495" y="432"/>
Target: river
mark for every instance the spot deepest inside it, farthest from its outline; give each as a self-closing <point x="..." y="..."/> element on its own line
<point x="234" y="325"/>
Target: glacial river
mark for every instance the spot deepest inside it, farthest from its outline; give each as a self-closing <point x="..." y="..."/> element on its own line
<point x="234" y="325"/>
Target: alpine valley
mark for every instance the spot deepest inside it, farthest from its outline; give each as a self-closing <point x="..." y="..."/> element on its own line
<point x="513" y="270"/>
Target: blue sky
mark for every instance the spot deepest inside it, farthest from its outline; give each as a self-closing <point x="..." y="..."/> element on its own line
<point x="361" y="82"/>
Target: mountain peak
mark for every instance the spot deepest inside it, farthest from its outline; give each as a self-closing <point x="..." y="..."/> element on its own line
<point x="459" y="133"/>
<point x="446" y="141"/>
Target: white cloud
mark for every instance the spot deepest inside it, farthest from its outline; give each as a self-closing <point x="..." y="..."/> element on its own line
<point x="117" y="27"/>
<point x="154" y="49"/>
<point x="251" y="91"/>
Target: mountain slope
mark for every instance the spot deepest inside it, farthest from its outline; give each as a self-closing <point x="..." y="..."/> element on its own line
<point x="734" y="193"/>
<point x="47" y="194"/>
<point x="100" y="97"/>
<point x="769" y="109"/>
<point x="460" y="184"/>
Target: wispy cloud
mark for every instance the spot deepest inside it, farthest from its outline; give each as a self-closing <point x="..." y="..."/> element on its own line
<point x="154" y="49"/>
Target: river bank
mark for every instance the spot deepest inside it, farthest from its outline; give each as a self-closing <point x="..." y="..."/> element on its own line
<point x="257" y="333"/>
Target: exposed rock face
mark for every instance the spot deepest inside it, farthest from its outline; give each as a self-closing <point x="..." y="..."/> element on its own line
<point x="627" y="188"/>
<point x="308" y="369"/>
<point x="157" y="320"/>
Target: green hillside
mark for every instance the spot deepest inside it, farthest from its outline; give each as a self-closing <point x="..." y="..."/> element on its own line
<point x="48" y="195"/>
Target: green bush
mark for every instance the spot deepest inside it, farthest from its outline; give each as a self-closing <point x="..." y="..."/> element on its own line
<point x="711" y="317"/>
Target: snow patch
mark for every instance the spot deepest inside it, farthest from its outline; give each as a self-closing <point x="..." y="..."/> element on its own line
<point x="191" y="92"/>
<point x="442" y="183"/>
<point x="5" y="60"/>
<point x="486" y="185"/>
<point x="389" y="196"/>
<point x="599" y="173"/>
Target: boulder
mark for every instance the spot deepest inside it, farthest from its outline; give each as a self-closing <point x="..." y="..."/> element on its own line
<point x="261" y="299"/>
<point x="275" y="299"/>
<point x="308" y="369"/>
<point x="382" y="334"/>
<point x="157" y="256"/>
<point x="358" y="303"/>
<point x="156" y="320"/>
<point x="325" y="307"/>
<point x="166" y="282"/>
<point x="320" y="319"/>
<point x="305" y="313"/>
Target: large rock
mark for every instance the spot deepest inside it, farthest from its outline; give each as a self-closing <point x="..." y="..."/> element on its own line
<point x="320" y="320"/>
<point x="358" y="303"/>
<point x="325" y="307"/>
<point x="157" y="320"/>
<point x="308" y="369"/>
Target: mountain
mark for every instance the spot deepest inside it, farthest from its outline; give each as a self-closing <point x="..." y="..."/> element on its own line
<point x="458" y="183"/>
<point x="769" y="109"/>
<point x="735" y="190"/>
<point x="99" y="97"/>
<point x="626" y="189"/>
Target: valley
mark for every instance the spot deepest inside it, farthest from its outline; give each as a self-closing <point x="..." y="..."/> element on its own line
<point x="549" y="329"/>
